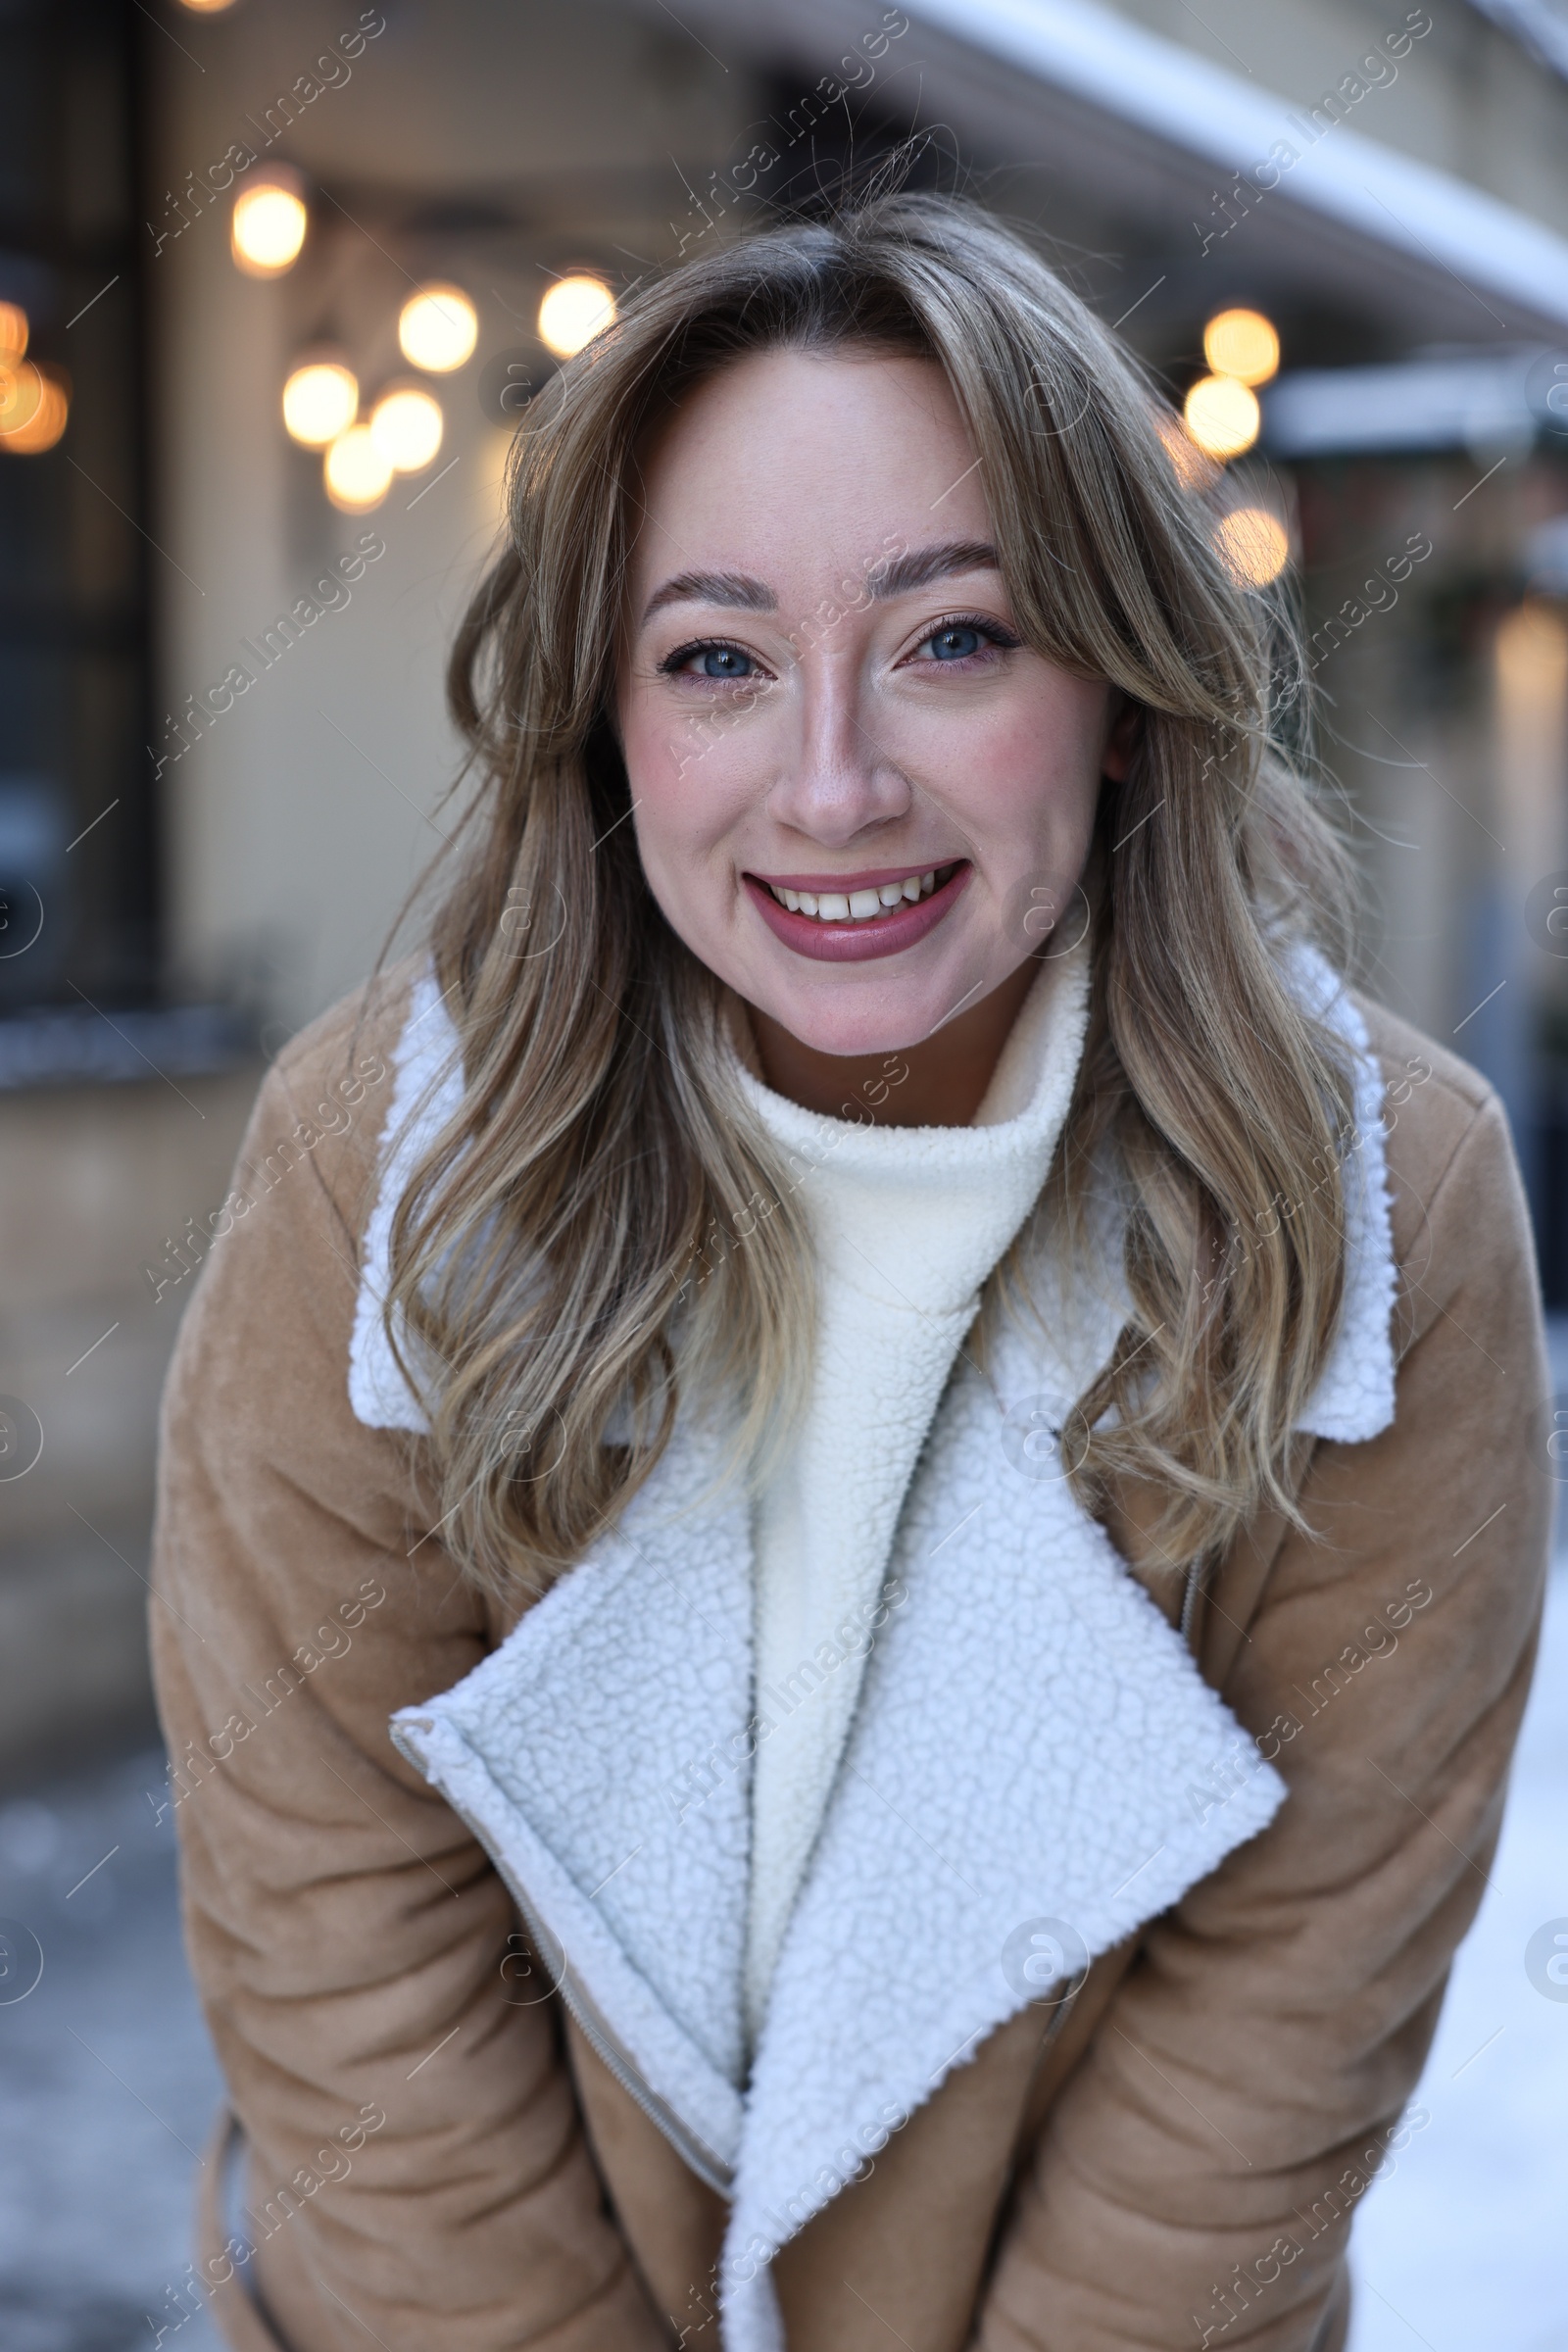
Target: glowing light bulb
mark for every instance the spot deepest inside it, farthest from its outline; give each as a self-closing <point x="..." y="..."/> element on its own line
<point x="406" y="426"/>
<point x="356" y="474"/>
<point x="320" y="400"/>
<point x="1194" y="470"/>
<point x="438" y="328"/>
<point x="34" y="406"/>
<point x="268" y="225"/>
<point x="13" y="332"/>
<point x="1253" y="546"/>
<point x="573" y="313"/>
<point x="1223" y="415"/>
<point x="1243" y="344"/>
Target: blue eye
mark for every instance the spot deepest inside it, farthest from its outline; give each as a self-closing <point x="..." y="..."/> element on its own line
<point x="956" y="643"/>
<point x="711" y="662"/>
<point x="964" y="635"/>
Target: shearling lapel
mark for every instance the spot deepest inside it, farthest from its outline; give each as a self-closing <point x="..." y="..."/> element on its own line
<point x="601" y="1754"/>
<point x="1014" y="1799"/>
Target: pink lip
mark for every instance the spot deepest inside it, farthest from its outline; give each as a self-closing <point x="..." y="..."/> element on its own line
<point x="856" y="943"/>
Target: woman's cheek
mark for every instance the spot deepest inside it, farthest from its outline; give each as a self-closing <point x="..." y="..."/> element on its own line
<point x="694" y="783"/>
<point x="1021" y="799"/>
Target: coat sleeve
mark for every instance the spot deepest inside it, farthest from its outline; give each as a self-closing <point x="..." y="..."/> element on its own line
<point x="417" y="2169"/>
<point x="1196" y="2181"/>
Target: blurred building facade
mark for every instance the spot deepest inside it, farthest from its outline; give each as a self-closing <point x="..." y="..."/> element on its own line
<point x="224" y="750"/>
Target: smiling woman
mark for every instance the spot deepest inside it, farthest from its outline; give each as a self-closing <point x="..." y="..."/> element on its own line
<point x="902" y="1314"/>
<point x="899" y="783"/>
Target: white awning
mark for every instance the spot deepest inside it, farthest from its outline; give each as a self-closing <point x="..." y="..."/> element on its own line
<point x="1136" y="76"/>
<point x="1485" y="402"/>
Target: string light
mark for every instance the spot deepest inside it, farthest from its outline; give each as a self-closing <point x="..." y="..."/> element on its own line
<point x="321" y="398"/>
<point x="1243" y="344"/>
<point x="437" y="329"/>
<point x="1253" y="545"/>
<point x="573" y="313"/>
<point x="406" y="426"/>
<point x="356" y="474"/>
<point x="34" y="406"/>
<point x="1223" y="415"/>
<point x="268" y="225"/>
<point x="1194" y="470"/>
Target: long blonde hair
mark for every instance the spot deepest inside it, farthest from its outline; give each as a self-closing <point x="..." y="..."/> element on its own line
<point x="600" y="1233"/>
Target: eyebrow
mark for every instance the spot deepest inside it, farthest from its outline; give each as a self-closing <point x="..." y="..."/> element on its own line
<point x="896" y="576"/>
<point x="920" y="565"/>
<point x="732" y="588"/>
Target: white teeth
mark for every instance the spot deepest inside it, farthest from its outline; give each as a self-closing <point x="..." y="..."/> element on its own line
<point x="857" y="906"/>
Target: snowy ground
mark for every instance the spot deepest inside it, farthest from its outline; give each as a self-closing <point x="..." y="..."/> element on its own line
<point x="108" y="2084"/>
<point x="1464" y="2247"/>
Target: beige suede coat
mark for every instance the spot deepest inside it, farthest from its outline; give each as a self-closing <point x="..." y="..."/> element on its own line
<point x="427" y="2148"/>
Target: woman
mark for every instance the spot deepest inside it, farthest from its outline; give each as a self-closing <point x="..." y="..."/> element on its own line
<point x="848" y="1527"/>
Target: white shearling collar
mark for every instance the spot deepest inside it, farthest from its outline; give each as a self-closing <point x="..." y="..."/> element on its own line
<point x="1354" y="1393"/>
<point x="427" y="1093"/>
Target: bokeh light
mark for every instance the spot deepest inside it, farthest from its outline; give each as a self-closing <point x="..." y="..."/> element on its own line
<point x="356" y="474"/>
<point x="1194" y="470"/>
<point x="12" y="331"/>
<point x="1243" y="344"/>
<point x="438" y="328"/>
<point x="406" y="426"/>
<point x="34" y="406"/>
<point x="1223" y="415"/>
<point x="320" y="400"/>
<point x="269" y="227"/>
<point x="1253" y="545"/>
<point x="573" y="313"/>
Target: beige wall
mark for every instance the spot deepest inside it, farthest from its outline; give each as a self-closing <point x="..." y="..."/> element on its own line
<point x="94" y="1179"/>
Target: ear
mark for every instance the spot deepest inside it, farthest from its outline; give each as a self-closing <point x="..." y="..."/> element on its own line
<point x="1121" y="738"/>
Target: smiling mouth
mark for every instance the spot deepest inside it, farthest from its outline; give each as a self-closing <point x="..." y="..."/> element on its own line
<point x="863" y="907"/>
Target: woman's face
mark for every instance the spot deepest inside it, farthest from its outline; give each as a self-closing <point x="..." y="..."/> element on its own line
<point x="859" y="798"/>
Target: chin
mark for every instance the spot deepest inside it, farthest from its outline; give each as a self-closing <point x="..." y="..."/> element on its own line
<point x="854" y="1024"/>
<point x="853" y="1042"/>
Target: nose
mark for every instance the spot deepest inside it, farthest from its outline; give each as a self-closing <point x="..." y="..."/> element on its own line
<point x="837" y="782"/>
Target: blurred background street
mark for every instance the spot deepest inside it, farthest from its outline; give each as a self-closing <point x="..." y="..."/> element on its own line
<point x="278" y="279"/>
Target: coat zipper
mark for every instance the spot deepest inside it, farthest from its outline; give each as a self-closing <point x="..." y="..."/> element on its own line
<point x="693" y="2151"/>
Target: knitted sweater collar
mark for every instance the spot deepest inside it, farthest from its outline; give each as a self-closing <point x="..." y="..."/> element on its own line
<point x="908" y="1223"/>
<point x="939" y="1205"/>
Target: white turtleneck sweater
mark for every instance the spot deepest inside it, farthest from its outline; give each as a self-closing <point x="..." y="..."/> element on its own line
<point x="907" y="1222"/>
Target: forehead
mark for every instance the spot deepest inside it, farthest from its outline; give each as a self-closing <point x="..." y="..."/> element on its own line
<point x="788" y="464"/>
